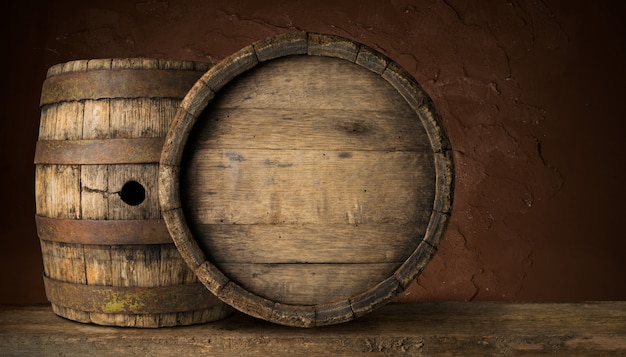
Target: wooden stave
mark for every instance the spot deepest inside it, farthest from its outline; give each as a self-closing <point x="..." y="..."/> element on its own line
<point x="66" y="234"/>
<point x="202" y="93"/>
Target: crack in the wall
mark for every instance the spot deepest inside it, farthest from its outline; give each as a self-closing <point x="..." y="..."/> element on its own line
<point x="152" y="8"/>
<point x="561" y="178"/>
<point x="555" y="21"/>
<point x="229" y="16"/>
<point x="476" y="287"/>
<point x="528" y="21"/>
<point x="458" y="15"/>
<point x="509" y="76"/>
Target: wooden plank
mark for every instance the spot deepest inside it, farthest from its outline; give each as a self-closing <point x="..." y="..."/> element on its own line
<point x="98" y="265"/>
<point x="307" y="129"/>
<point x="141" y="117"/>
<point x="134" y="63"/>
<point x="300" y="79"/>
<point x="287" y="44"/>
<point x="63" y="121"/>
<point x="250" y="186"/>
<point x="414" y="265"/>
<point x="308" y="243"/>
<point x="445" y="182"/>
<point x="374" y="297"/>
<point x="236" y="296"/>
<point x="192" y="254"/>
<point x="372" y="60"/>
<point x="229" y="68"/>
<point x="57" y="189"/>
<point x="128" y="119"/>
<point x="173" y="269"/>
<point x="421" y="329"/>
<point x="333" y="46"/>
<point x="96" y="119"/>
<point x="160" y="113"/>
<point x="135" y="265"/>
<point x="66" y="262"/>
<point x="74" y="315"/>
<point x="307" y="284"/>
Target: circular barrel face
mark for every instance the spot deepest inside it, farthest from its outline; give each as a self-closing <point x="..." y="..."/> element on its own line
<point x="307" y="179"/>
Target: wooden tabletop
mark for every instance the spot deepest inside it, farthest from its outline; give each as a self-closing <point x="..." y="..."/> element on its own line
<point x="417" y="329"/>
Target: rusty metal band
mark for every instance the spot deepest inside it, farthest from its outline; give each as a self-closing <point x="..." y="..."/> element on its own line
<point x="129" y="300"/>
<point x="119" y="83"/>
<point x="103" y="232"/>
<point x="101" y="151"/>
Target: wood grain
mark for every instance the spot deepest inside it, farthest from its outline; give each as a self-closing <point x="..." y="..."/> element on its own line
<point x="307" y="243"/>
<point x="592" y="329"/>
<point x="255" y="186"/>
<point x="307" y="283"/>
<point x="308" y="129"/>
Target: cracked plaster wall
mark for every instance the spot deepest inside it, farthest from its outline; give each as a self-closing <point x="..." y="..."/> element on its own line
<point x="528" y="90"/>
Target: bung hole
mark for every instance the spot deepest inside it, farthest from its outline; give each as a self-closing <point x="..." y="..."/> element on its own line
<point x="133" y="193"/>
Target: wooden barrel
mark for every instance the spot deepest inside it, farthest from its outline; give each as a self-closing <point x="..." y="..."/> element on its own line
<point x="307" y="179"/>
<point x="108" y="257"/>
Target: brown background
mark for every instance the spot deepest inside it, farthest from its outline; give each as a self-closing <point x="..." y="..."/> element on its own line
<point x="531" y="92"/>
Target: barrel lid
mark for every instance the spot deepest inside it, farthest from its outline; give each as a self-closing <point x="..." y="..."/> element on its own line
<point x="307" y="179"/>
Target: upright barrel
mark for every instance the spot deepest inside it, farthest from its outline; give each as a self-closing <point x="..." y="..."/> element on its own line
<point x="307" y="179"/>
<point x="108" y="257"/>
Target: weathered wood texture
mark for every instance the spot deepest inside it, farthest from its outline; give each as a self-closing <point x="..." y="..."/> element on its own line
<point x="108" y="258"/>
<point x="426" y="329"/>
<point x="315" y="179"/>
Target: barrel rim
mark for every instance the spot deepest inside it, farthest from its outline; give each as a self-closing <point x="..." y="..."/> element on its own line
<point x="129" y="63"/>
<point x="197" y="99"/>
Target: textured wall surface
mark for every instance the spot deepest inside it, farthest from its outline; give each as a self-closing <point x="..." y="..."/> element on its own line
<point x="530" y="92"/>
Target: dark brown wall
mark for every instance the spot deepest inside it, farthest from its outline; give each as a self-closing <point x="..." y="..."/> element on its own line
<point x="531" y="92"/>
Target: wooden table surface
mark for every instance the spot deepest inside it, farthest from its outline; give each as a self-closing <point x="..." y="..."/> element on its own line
<point x="418" y="329"/>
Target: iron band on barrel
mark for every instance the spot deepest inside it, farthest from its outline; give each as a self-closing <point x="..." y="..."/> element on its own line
<point x="106" y="151"/>
<point x="128" y="300"/>
<point x="121" y="83"/>
<point x="102" y="231"/>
